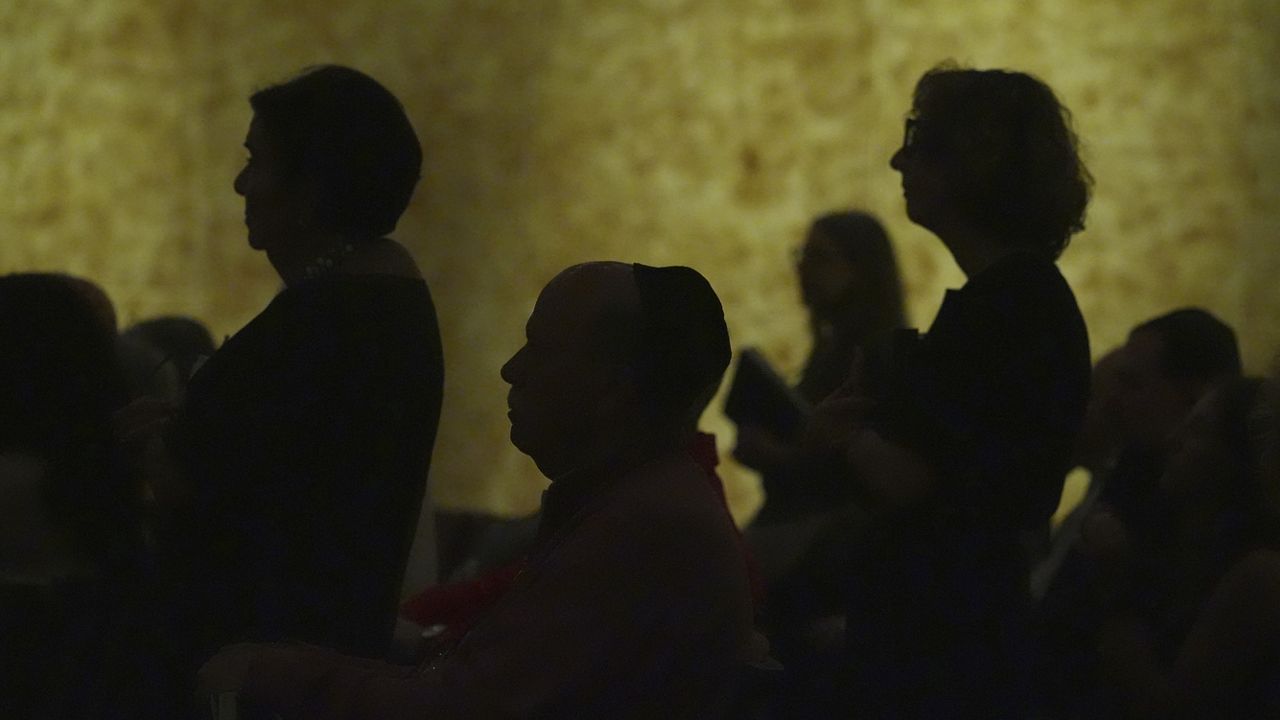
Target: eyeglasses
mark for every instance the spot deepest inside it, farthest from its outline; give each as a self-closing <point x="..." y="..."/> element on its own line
<point x="917" y="137"/>
<point x="812" y="256"/>
<point x="910" y="133"/>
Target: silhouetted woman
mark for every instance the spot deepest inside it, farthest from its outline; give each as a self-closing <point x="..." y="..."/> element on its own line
<point x="850" y="285"/>
<point x="964" y="457"/>
<point x="305" y="439"/>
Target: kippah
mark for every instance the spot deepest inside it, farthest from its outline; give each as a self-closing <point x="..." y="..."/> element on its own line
<point x="684" y="336"/>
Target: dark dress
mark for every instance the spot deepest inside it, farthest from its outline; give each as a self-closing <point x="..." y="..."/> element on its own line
<point x="306" y="439"/>
<point x="992" y="398"/>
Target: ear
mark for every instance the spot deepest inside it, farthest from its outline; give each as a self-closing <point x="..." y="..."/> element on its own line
<point x="308" y="203"/>
<point x="621" y="394"/>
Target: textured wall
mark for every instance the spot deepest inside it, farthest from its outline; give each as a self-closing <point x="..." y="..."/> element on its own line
<point x="661" y="131"/>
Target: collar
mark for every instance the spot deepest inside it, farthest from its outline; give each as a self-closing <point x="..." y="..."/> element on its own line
<point x="1015" y="268"/>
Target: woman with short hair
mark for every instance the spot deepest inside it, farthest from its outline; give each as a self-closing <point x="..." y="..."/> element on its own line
<point x="304" y="441"/>
<point x="962" y="459"/>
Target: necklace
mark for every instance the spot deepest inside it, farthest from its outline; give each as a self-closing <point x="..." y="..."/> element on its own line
<point x="325" y="262"/>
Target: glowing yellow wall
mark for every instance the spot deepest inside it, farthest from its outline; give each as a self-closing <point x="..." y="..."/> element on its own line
<point x="662" y="131"/>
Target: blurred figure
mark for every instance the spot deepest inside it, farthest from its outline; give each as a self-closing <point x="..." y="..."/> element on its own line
<point x="73" y="611"/>
<point x="1101" y="438"/>
<point x="964" y="456"/>
<point x="849" y="283"/>
<point x="161" y="354"/>
<point x="1095" y="456"/>
<point x="304" y="441"/>
<point x="1167" y="366"/>
<point x="635" y="601"/>
<point x="1206" y="644"/>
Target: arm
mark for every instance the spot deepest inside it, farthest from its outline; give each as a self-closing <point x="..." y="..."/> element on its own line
<point x="890" y="473"/>
<point x="618" y="609"/>
<point x="882" y="470"/>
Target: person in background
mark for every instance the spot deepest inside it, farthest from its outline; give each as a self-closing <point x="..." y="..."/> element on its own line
<point x="1166" y="367"/>
<point x="1097" y="447"/>
<point x="635" y="601"/>
<point x="161" y="354"/>
<point x="850" y="285"/>
<point x="1168" y="364"/>
<point x="1206" y="641"/>
<point x="74" y="602"/>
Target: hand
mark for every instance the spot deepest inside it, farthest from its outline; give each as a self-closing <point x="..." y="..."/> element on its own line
<point x="142" y="419"/>
<point x="841" y="416"/>
<point x="226" y="671"/>
<point x="760" y="449"/>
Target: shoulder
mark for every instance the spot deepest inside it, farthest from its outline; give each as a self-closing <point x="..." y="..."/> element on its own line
<point x="384" y="257"/>
<point x="675" y="487"/>
<point x="671" y="510"/>
<point x="360" y="309"/>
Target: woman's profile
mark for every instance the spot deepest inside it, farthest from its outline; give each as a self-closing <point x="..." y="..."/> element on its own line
<point x="304" y="441"/>
<point x="962" y="459"/>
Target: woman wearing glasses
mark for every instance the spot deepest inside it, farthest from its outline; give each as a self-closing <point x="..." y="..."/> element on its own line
<point x="962" y="461"/>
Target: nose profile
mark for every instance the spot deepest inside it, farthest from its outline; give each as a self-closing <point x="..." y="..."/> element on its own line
<point x="508" y="368"/>
<point x="895" y="162"/>
<point x="238" y="183"/>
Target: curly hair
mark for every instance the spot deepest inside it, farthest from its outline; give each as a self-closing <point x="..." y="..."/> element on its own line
<point x="343" y="130"/>
<point x="1011" y="142"/>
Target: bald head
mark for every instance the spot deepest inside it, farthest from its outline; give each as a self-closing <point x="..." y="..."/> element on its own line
<point x="599" y="301"/>
<point x="612" y="348"/>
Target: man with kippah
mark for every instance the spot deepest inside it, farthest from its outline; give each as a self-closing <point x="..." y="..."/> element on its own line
<point x="635" y="600"/>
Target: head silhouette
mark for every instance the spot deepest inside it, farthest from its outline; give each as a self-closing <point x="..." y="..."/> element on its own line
<point x="60" y="382"/>
<point x="994" y="151"/>
<point x="619" y="361"/>
<point x="184" y="340"/>
<point x="332" y="151"/>
<point x="1166" y="367"/>
<point x="848" y="272"/>
<point x="1217" y="462"/>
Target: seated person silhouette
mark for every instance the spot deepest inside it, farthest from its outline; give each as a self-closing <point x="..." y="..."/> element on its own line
<point x="1168" y="365"/>
<point x="1205" y="641"/>
<point x="75" y="611"/>
<point x="635" y="600"/>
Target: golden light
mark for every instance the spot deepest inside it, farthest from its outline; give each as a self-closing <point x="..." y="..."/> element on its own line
<point x="661" y="131"/>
